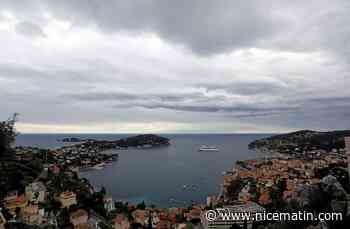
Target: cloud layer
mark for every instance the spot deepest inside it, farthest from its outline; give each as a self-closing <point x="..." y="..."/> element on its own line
<point x="175" y="66"/>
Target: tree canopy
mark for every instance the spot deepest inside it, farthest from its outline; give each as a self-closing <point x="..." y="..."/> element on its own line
<point x="7" y="135"/>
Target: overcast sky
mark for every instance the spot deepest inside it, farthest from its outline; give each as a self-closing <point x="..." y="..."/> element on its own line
<point x="175" y="66"/>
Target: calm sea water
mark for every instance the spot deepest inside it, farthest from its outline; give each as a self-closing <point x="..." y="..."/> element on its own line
<point x="158" y="175"/>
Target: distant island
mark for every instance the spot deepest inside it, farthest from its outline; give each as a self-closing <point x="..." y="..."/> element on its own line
<point x="302" y="140"/>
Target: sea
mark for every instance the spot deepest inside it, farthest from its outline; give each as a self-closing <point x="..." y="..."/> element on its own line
<point x="172" y="176"/>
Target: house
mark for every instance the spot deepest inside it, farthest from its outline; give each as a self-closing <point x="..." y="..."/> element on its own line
<point x="140" y="216"/>
<point x="12" y="203"/>
<point x="121" y="222"/>
<point x="108" y="204"/>
<point x="35" y="192"/>
<point x="265" y="198"/>
<point x="24" y="156"/>
<point x="2" y="221"/>
<point x="244" y="195"/>
<point x="152" y="217"/>
<point x="30" y="215"/>
<point x="67" y="199"/>
<point x="79" y="219"/>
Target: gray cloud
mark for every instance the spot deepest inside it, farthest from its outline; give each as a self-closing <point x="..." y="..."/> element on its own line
<point x="204" y="26"/>
<point x="29" y="29"/>
<point x="248" y="88"/>
<point x="237" y="111"/>
<point x="267" y="65"/>
<point x="187" y="102"/>
<point x="128" y="96"/>
<point x="209" y="27"/>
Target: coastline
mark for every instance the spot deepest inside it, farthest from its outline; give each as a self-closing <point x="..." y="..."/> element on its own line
<point x="243" y="172"/>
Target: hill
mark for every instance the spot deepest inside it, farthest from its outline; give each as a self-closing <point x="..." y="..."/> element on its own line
<point x="306" y="139"/>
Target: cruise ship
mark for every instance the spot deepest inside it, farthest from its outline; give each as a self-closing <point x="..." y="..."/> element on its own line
<point x="208" y="148"/>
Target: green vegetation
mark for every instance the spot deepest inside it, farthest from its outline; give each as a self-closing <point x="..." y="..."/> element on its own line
<point x="145" y="139"/>
<point x="235" y="187"/>
<point x="276" y="195"/>
<point x="14" y="175"/>
<point x="306" y="139"/>
<point x="7" y="137"/>
<point x="141" y="206"/>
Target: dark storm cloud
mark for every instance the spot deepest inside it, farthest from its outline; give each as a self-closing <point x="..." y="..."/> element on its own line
<point x="188" y="102"/>
<point x="205" y="26"/>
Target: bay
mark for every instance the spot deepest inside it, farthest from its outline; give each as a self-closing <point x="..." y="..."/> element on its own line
<point x="167" y="176"/>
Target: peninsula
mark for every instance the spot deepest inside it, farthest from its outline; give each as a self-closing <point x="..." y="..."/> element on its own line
<point x="90" y="153"/>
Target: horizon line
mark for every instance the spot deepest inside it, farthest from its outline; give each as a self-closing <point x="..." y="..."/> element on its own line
<point x="21" y="133"/>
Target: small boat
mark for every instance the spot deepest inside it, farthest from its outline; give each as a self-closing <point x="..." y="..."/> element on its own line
<point x="208" y="148"/>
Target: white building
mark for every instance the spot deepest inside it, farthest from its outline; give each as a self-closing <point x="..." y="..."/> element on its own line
<point x="109" y="204"/>
<point x="35" y="192"/>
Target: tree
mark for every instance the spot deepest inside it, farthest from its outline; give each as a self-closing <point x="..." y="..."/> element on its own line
<point x="235" y="187"/>
<point x="7" y="135"/>
<point x="103" y="191"/>
<point x="141" y="206"/>
<point x="63" y="218"/>
<point x="276" y="194"/>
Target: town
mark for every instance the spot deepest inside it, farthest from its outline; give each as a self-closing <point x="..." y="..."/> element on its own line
<point x="299" y="178"/>
<point x="42" y="189"/>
